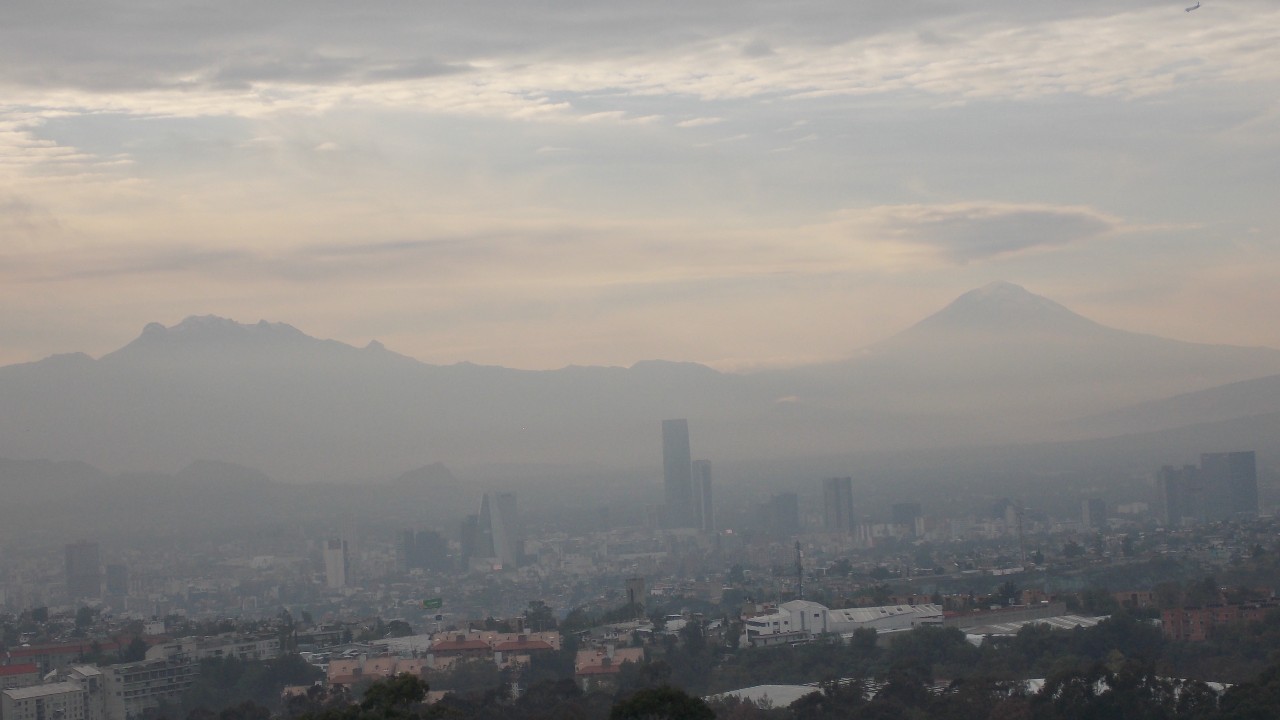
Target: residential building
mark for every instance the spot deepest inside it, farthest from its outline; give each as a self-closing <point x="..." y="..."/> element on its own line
<point x="1195" y="623"/>
<point x="52" y="701"/>
<point x="19" y="675"/>
<point x="335" y="563"/>
<point x="133" y="688"/>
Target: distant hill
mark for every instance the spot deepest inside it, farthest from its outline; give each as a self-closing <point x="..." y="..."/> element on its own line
<point x="1247" y="398"/>
<point x="54" y="501"/>
<point x="997" y="365"/>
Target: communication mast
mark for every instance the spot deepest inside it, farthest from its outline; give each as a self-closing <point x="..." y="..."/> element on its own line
<point x="799" y="572"/>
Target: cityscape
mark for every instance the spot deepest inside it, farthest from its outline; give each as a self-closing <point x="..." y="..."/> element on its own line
<point x="508" y="360"/>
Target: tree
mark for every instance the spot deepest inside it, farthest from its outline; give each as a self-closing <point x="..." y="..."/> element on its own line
<point x="135" y="651"/>
<point x="397" y="628"/>
<point x="1072" y="550"/>
<point x="397" y="693"/>
<point x="661" y="703"/>
<point x="538" y="617"/>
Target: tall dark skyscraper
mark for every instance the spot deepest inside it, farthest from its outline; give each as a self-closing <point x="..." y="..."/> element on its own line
<point x="1224" y="486"/>
<point x="677" y="475"/>
<point x="84" y="570"/>
<point x="837" y="505"/>
<point x="704" y="509"/>
<point x="782" y="514"/>
<point x="1231" y="481"/>
<point x="1180" y="498"/>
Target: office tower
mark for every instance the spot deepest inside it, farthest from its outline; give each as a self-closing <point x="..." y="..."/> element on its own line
<point x="470" y="538"/>
<point x="837" y="505"/>
<point x="423" y="550"/>
<point x="117" y="580"/>
<point x="782" y="514"/>
<point x="703" y="508"/>
<point x="1231" y="484"/>
<point x="1180" y="500"/>
<point x="83" y="567"/>
<point x="335" y="563"/>
<point x="504" y="529"/>
<point x="1093" y="513"/>
<point x="677" y="474"/>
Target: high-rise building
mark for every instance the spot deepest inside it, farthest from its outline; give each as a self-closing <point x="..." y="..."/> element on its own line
<point x="84" y="570"/>
<point x="635" y="593"/>
<point x="423" y="550"/>
<point x="703" y="507"/>
<point x="335" y="563"/>
<point x="782" y="514"/>
<point x="471" y="539"/>
<point x="1231" y="484"/>
<point x="837" y="505"/>
<point x="677" y="474"/>
<point x="1224" y="486"/>
<point x="1180" y="495"/>
<point x="117" y="580"/>
<point x="504" y="528"/>
<point x="1093" y="513"/>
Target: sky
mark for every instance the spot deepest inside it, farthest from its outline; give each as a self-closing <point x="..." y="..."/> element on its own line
<point x="546" y="182"/>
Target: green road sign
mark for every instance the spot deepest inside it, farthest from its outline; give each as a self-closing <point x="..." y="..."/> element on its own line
<point x="433" y="603"/>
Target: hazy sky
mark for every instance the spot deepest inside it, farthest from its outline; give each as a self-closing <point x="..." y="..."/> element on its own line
<point x="545" y="182"/>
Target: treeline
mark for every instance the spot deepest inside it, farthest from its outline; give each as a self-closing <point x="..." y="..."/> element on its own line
<point x="1099" y="692"/>
<point x="1124" y="661"/>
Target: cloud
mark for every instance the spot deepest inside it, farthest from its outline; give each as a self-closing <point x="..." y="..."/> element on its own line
<point x="22" y="219"/>
<point x="965" y="232"/>
<point x="699" y="122"/>
<point x="499" y="62"/>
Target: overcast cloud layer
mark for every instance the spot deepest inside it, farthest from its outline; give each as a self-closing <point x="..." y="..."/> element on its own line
<point x="539" y="184"/>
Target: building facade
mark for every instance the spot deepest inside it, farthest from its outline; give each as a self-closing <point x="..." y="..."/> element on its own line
<point x="677" y="475"/>
<point x="703" y="507"/>
<point x="837" y="505"/>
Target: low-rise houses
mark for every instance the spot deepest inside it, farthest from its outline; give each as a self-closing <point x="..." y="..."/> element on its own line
<point x="1195" y="623"/>
<point x="599" y="667"/>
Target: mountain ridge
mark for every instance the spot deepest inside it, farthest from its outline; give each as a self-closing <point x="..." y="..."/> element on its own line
<point x="998" y="364"/>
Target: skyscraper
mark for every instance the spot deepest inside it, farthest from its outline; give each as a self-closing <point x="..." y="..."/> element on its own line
<point x="1179" y="495"/>
<point x="84" y="570"/>
<point x="677" y="474"/>
<point x="1224" y="486"/>
<point x="782" y="514"/>
<point x="837" y="504"/>
<point x="504" y="527"/>
<point x="335" y="563"/>
<point x="702" y="495"/>
<point x="1231" y="480"/>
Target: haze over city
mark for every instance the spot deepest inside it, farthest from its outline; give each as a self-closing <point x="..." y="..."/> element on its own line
<point x="766" y="361"/>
